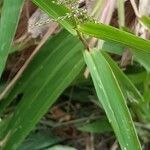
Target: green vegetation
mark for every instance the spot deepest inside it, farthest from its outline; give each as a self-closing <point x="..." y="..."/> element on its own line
<point x="121" y="95"/>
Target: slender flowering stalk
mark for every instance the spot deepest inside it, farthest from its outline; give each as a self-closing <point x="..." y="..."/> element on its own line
<point x="77" y="12"/>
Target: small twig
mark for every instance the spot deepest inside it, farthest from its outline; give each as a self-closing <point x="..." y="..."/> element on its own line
<point x="24" y="37"/>
<point x="90" y="142"/>
<point x="114" y="146"/>
<point x="133" y="3"/>
<point x="86" y="73"/>
<point x="92" y="44"/>
<point x="87" y="47"/>
<point x="51" y="30"/>
<point x="76" y="121"/>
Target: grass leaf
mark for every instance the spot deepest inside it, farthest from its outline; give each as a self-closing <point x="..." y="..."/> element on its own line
<point x="110" y="96"/>
<point x="9" y="19"/>
<point x="140" y="47"/>
<point x="51" y="71"/>
<point x="124" y="82"/>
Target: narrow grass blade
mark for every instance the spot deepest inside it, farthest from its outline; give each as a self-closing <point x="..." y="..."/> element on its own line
<point x="112" y="100"/>
<point x="9" y="19"/>
<point x="140" y="47"/>
<point x="129" y="90"/>
<point x="57" y="11"/>
<point x="51" y="71"/>
<point x="115" y="35"/>
<point x="127" y="86"/>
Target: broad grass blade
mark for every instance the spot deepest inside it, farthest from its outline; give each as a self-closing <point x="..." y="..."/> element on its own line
<point x="52" y="70"/>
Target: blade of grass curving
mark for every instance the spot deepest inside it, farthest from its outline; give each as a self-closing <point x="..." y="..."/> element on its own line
<point x="9" y="19"/>
<point x="57" y="11"/>
<point x="115" y="35"/>
<point x="128" y="89"/>
<point x="124" y="82"/>
<point x="140" y="47"/>
<point x="51" y="71"/>
<point x="112" y="99"/>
